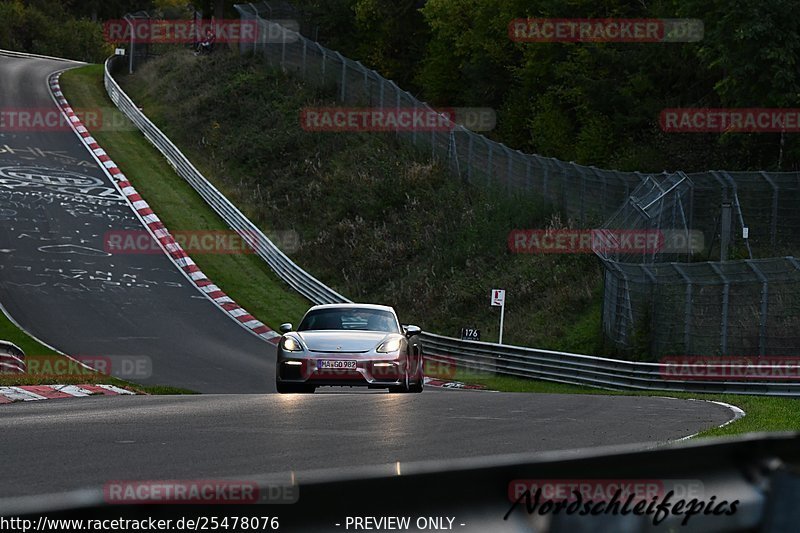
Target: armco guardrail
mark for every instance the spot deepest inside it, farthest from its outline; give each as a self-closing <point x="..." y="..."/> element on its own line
<point x="614" y="374"/>
<point x="12" y="358"/>
<point x="508" y="360"/>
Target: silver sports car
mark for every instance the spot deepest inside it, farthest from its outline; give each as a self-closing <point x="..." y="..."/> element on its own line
<point x="349" y="345"/>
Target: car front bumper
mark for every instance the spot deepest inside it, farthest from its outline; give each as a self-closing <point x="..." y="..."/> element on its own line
<point x="372" y="371"/>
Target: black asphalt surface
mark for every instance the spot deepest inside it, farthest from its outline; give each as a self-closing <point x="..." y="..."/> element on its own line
<point x="56" y="445"/>
<point x="59" y="284"/>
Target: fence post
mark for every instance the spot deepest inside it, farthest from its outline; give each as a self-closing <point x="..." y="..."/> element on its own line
<point x="268" y="24"/>
<point x="433" y="143"/>
<point x="762" y="324"/>
<point x="366" y="82"/>
<point x="545" y="174"/>
<point x="305" y="45"/>
<point x="397" y="106"/>
<point x="133" y="32"/>
<point x="469" y="155"/>
<point x="723" y="334"/>
<point x="773" y="229"/>
<point x="724" y="230"/>
<point x="687" y="311"/>
<point x="623" y="331"/>
<point x="413" y="129"/>
<point x="528" y="179"/>
<point x="381" y="85"/>
<point x="605" y="206"/>
<point x="651" y="303"/>
<point x="344" y="77"/>
<point x="509" y="156"/>
<point x="258" y="25"/>
<point x="491" y="164"/>
<point x="582" y="179"/>
<point x="283" y="46"/>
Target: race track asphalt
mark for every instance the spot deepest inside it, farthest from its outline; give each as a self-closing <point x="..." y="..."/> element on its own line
<point x="58" y="281"/>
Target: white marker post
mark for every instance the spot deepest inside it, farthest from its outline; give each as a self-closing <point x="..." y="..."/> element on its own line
<point x="499" y="299"/>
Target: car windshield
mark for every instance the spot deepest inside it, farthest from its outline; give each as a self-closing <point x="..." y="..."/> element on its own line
<point x="346" y="318"/>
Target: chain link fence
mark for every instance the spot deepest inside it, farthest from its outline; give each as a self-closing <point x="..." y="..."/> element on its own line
<point x="659" y="303"/>
<point x="141" y="49"/>
<point x="655" y="304"/>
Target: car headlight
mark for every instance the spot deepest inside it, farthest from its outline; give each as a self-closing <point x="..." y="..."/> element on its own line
<point x="392" y="345"/>
<point x="291" y="345"/>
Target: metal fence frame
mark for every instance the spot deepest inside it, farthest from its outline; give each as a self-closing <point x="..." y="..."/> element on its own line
<point x="586" y="193"/>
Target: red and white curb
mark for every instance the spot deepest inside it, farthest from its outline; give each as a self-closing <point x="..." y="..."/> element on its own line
<point x="156" y="228"/>
<point x="28" y="393"/>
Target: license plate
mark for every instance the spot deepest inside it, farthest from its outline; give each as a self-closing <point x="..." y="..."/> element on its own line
<point x="336" y="364"/>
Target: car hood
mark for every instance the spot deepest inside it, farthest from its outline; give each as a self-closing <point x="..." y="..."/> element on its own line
<point x="342" y="341"/>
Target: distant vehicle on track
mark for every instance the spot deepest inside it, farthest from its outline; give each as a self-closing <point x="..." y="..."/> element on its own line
<point x="349" y="345"/>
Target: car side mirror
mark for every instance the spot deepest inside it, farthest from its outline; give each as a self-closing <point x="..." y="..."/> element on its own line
<point x="285" y="328"/>
<point x="412" y="330"/>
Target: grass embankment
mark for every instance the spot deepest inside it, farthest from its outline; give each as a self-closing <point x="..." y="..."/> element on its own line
<point x="246" y="277"/>
<point x="377" y="221"/>
<point x="762" y="413"/>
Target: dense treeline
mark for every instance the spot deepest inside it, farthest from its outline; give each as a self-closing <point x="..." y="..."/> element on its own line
<point x="595" y="103"/>
<point x="46" y="27"/>
<point x="67" y="28"/>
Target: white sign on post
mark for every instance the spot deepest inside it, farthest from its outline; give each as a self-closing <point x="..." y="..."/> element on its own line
<point x="499" y="300"/>
<point x="498" y="297"/>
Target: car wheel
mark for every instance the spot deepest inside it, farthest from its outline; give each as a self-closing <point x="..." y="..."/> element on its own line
<point x="419" y="384"/>
<point x="405" y="387"/>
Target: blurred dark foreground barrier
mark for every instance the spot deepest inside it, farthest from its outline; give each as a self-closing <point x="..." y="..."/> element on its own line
<point x="755" y="477"/>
